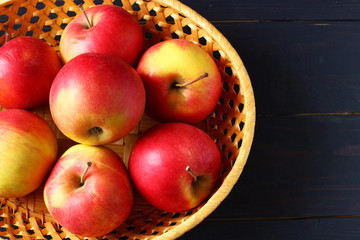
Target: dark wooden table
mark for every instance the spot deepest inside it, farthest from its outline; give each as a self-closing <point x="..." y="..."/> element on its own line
<point x="302" y="178"/>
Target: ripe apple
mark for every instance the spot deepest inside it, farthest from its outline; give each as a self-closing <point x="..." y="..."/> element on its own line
<point x="28" y="66"/>
<point x="88" y="191"/>
<point x="181" y="80"/>
<point x="28" y="150"/>
<point x="103" y="29"/>
<point x="97" y="99"/>
<point x="175" y="166"/>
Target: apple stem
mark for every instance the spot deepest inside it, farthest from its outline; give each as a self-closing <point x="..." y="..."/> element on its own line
<point x="204" y="75"/>
<point x="188" y="169"/>
<point x="87" y="19"/>
<point x="6" y="33"/>
<point x="82" y="179"/>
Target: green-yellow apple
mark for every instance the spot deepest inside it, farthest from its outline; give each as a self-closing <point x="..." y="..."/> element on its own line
<point x="89" y="191"/>
<point x="28" y="150"/>
<point x="97" y="99"/>
<point x="181" y="80"/>
<point x="103" y="29"/>
<point x="27" y="69"/>
<point x="175" y="166"/>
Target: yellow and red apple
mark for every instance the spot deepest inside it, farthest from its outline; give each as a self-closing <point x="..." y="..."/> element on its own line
<point x="175" y="166"/>
<point x="28" y="151"/>
<point x="28" y="67"/>
<point x="110" y="30"/>
<point x="89" y="192"/>
<point x="97" y="99"/>
<point x="181" y="80"/>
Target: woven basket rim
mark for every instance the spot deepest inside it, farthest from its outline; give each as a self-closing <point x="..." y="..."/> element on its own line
<point x="249" y="110"/>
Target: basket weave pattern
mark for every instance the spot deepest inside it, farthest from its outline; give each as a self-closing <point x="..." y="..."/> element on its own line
<point x="231" y="125"/>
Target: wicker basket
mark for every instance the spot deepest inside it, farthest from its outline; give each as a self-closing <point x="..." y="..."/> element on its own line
<point x="231" y="125"/>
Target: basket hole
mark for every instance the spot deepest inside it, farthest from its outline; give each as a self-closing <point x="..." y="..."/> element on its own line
<point x="241" y="125"/>
<point x="71" y="13"/>
<point x="174" y="35"/>
<point x="22" y="11"/>
<point x="59" y="3"/>
<point x="228" y="71"/>
<point x="160" y="224"/>
<point x="98" y="2"/>
<point x="176" y="215"/>
<point x="223" y="147"/>
<point x="224" y="116"/>
<point x="233" y="137"/>
<point x="225" y="132"/>
<point x="226" y="86"/>
<point x="224" y="171"/>
<point x="172" y="224"/>
<point x="142" y="231"/>
<point x="46" y="28"/>
<point x="34" y="19"/>
<point x="124" y="238"/>
<point x="236" y="88"/>
<point x="4" y="19"/>
<point x="231" y="103"/>
<point x="48" y="236"/>
<point x="155" y="233"/>
<point x="53" y="15"/>
<point x="148" y="35"/>
<point x="148" y="220"/>
<point x="229" y="155"/>
<point x="78" y="2"/>
<point x="152" y="12"/>
<point x="63" y="25"/>
<point x="241" y="107"/>
<point x="158" y="28"/>
<point x="30" y="231"/>
<point x="239" y="144"/>
<point x="216" y="55"/>
<point x="170" y="20"/>
<point x="3" y="237"/>
<point x="2" y="229"/>
<point x="135" y="7"/>
<point x="40" y="5"/>
<point x="233" y="121"/>
<point x="118" y="3"/>
<point x="202" y="41"/>
<point x="29" y="33"/>
<point x="17" y="26"/>
<point x="131" y="228"/>
<point x="187" y="29"/>
<point x="221" y="101"/>
<point x="188" y="213"/>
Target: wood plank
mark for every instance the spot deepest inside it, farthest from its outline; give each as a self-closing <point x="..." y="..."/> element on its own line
<point x="219" y="10"/>
<point x="296" y="229"/>
<point x="299" y="167"/>
<point x="298" y="67"/>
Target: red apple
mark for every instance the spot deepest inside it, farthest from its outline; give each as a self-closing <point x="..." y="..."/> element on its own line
<point x="110" y="29"/>
<point x="27" y="68"/>
<point x="181" y="80"/>
<point x="89" y="191"/>
<point x="175" y="166"/>
<point x="28" y="150"/>
<point x="97" y="99"/>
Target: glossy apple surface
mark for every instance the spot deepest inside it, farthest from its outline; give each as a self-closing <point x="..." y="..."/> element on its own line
<point x="114" y="31"/>
<point x="98" y="204"/>
<point x="28" y="150"/>
<point x="97" y="99"/>
<point x="166" y="65"/>
<point x="28" y="67"/>
<point x="159" y="166"/>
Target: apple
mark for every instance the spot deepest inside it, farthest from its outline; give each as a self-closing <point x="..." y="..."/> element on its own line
<point x="174" y="166"/>
<point x="97" y="99"/>
<point x="106" y="29"/>
<point x="181" y="80"/>
<point x="89" y="191"/>
<point x="28" y="151"/>
<point x="28" y="67"/>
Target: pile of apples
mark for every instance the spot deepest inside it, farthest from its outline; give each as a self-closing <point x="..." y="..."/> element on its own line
<point x="97" y="90"/>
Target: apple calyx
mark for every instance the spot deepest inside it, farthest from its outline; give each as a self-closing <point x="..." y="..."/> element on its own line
<point x="95" y="130"/>
<point x="82" y="179"/>
<point x="90" y="25"/>
<point x="6" y="33"/>
<point x="184" y="84"/>
<point x="190" y="171"/>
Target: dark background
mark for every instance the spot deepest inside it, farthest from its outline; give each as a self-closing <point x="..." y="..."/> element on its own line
<point x="302" y="178"/>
